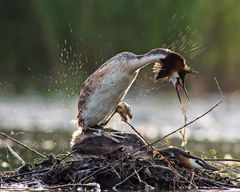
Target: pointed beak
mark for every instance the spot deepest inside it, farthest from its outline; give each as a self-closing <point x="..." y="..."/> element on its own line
<point x="209" y="167"/>
<point x="200" y="164"/>
<point x="179" y="86"/>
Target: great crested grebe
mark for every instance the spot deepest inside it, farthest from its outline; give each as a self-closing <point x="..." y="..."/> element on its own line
<point x="88" y="144"/>
<point x="174" y="68"/>
<point x="102" y="92"/>
<point x="185" y="159"/>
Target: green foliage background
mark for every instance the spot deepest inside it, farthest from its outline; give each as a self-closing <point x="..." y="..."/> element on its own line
<point x="46" y="44"/>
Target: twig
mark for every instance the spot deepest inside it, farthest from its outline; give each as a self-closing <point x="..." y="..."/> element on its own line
<point x="28" y="173"/>
<point x="22" y="144"/>
<point x="236" y="179"/>
<point x="154" y="143"/>
<point x="148" y="144"/>
<point x="217" y="183"/>
<point x="169" y="164"/>
<point x="232" y="169"/>
<point x="100" y="169"/>
<point x="144" y="147"/>
<point x="95" y="185"/>
<point x="192" y="178"/>
<point x="189" y="123"/>
<point x="234" y="160"/>
<point x="15" y="154"/>
<point x="115" y="171"/>
<point x="147" y="186"/>
<point x="178" y="174"/>
<point x="67" y="155"/>
<point x="162" y="167"/>
<point x="183" y="131"/>
<point x="171" y="168"/>
<point x="128" y="177"/>
<point x="57" y="162"/>
<point x="197" y="118"/>
<point x="8" y="157"/>
<point x="218" y="87"/>
<point x="138" y="176"/>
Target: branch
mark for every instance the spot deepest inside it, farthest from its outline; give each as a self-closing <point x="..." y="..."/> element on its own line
<point x="22" y="144"/>
<point x="15" y="154"/>
<point x="93" y="185"/>
<point x="128" y="177"/>
<point x="67" y="155"/>
<point x="148" y="144"/>
<point x="191" y="122"/>
<point x="27" y="173"/>
<point x="233" y="160"/>
<point x="144" y="147"/>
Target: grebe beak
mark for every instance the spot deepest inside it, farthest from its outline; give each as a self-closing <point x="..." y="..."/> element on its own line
<point x="180" y="85"/>
<point x="200" y="164"/>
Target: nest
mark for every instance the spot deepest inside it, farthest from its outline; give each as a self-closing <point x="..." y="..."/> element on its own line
<point x="118" y="171"/>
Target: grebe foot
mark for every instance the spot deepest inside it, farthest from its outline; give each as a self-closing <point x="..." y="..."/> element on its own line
<point x="124" y="110"/>
<point x="115" y="136"/>
<point x="96" y="128"/>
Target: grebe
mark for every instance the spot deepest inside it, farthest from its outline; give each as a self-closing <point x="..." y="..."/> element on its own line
<point x="102" y="92"/>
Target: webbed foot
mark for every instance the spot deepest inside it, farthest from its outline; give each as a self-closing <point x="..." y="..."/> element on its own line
<point x="113" y="135"/>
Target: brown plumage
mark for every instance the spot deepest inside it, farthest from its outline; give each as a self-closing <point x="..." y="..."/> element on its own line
<point x="86" y="92"/>
<point x="185" y="159"/>
<point x="174" y="68"/>
<point x="94" y="144"/>
<point x="173" y="62"/>
<point x="107" y="86"/>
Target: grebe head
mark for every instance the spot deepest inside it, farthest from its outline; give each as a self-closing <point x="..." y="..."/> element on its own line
<point x="187" y="160"/>
<point x="172" y="67"/>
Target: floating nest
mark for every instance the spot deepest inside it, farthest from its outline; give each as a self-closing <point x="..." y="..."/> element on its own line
<point x="117" y="170"/>
<point x="130" y="164"/>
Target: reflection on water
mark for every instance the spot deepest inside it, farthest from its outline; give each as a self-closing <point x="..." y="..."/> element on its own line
<point x="152" y="116"/>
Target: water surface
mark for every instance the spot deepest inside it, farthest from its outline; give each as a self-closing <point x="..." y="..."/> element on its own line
<point x="153" y="116"/>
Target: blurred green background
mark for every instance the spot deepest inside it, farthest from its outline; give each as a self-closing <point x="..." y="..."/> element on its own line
<point x="47" y="45"/>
